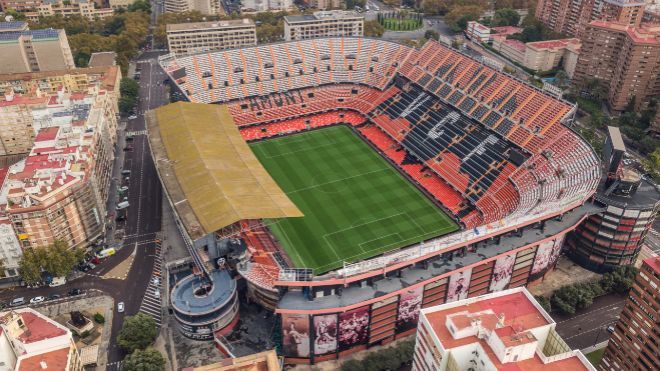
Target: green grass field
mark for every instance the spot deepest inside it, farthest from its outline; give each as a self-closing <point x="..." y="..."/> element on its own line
<point x="356" y="205"/>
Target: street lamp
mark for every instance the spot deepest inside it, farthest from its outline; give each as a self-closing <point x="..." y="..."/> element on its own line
<point x="600" y="329"/>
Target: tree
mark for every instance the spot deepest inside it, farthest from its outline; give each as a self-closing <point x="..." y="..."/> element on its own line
<point x="431" y="34"/>
<point x="140" y="5"/>
<point x="561" y="79"/>
<point x="137" y="332"/>
<point x="459" y="16"/>
<point x="544" y="302"/>
<point x="651" y="163"/>
<point x="506" y="17"/>
<point x="144" y="360"/>
<point x="128" y="89"/>
<point x="619" y="280"/>
<point x="373" y="29"/>
<point x="56" y="259"/>
<point x="433" y="7"/>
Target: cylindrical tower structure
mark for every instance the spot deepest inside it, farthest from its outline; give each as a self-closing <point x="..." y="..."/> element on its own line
<point x="615" y="236"/>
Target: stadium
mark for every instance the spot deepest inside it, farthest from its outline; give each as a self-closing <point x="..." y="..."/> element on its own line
<point x="352" y="181"/>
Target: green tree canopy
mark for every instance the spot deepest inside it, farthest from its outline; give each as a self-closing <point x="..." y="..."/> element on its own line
<point x="506" y="17"/>
<point x="459" y="16"/>
<point x="373" y="29"/>
<point x="144" y="360"/>
<point x="57" y="259"/>
<point x="137" y="332"/>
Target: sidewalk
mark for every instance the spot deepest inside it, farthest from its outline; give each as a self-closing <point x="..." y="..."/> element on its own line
<point x="592" y="348"/>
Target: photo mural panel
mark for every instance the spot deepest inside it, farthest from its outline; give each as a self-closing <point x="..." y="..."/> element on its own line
<point x="459" y="283"/>
<point x="325" y="334"/>
<point x="353" y="327"/>
<point x="556" y="250"/>
<point x="542" y="258"/>
<point x="295" y="335"/>
<point x="502" y="272"/>
<point x="409" y="306"/>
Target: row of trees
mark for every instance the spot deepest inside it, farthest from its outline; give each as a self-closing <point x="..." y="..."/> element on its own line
<point x="401" y="21"/>
<point x="136" y="336"/>
<point x="129" y="90"/>
<point x="570" y="298"/>
<point x="57" y="259"/>
<point x="392" y="358"/>
<point x="122" y="33"/>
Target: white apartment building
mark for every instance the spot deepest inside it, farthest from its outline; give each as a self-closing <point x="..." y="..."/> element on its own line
<point x="502" y="330"/>
<point x="207" y="7"/>
<point x="265" y="5"/>
<point x="323" y="24"/>
<point x="30" y="341"/>
<point x="10" y="249"/>
<point x="191" y="38"/>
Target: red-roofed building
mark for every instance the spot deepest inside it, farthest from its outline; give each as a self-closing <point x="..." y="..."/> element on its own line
<point x="505" y="330"/>
<point x="30" y="341"/>
<point x="66" y="172"/>
<point x="625" y="58"/>
<point x="634" y="343"/>
<point x="540" y="55"/>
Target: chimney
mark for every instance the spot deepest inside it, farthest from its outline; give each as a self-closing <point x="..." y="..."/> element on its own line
<point x="43" y="365"/>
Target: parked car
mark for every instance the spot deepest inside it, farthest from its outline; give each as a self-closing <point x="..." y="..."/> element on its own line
<point x="74" y="292"/>
<point x="120" y="307"/>
<point x="610" y="329"/>
<point x="128" y="148"/>
<point x="16" y="302"/>
<point x="54" y="296"/>
<point x="37" y="300"/>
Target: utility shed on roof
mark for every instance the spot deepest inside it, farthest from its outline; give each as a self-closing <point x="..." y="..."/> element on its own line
<point x="210" y="174"/>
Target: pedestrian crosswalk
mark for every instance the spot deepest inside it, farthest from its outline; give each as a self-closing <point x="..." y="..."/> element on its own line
<point x="151" y="303"/>
<point x="113" y="366"/>
<point x="138" y="132"/>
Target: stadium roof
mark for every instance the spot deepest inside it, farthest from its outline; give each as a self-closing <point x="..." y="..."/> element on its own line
<point x="210" y="174"/>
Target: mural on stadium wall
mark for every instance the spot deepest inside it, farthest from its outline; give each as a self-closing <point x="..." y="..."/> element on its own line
<point x="353" y="327"/>
<point x="459" y="283"/>
<point x="325" y="334"/>
<point x="295" y="335"/>
<point x="502" y="272"/>
<point x="542" y="258"/>
<point x="556" y="250"/>
<point x="409" y="306"/>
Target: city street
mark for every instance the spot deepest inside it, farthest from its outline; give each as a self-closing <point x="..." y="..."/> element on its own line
<point x="143" y="220"/>
<point x="588" y="328"/>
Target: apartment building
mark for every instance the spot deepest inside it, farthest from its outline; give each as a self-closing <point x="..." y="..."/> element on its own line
<point x="502" y="330"/>
<point x="540" y="55"/>
<point x="191" y="38"/>
<point x="477" y="32"/>
<point x="119" y="4"/>
<point x="634" y="343"/>
<point x="207" y="7"/>
<point x="625" y="58"/>
<point x="326" y="4"/>
<point x="266" y="5"/>
<point x="323" y="24"/>
<point x="88" y="10"/>
<point x="31" y="341"/>
<point x="571" y="17"/>
<point x="16" y="127"/>
<point x="35" y="50"/>
<point x="58" y="191"/>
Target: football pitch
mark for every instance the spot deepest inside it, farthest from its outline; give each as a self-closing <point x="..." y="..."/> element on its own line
<point x="356" y="205"/>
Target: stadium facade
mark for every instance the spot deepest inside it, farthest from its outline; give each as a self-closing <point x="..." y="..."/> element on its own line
<point x="495" y="153"/>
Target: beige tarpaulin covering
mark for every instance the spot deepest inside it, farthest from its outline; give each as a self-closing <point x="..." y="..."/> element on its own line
<point x="209" y="173"/>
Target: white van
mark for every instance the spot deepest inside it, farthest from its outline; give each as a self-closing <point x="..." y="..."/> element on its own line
<point x="122" y="205"/>
<point x="58" y="281"/>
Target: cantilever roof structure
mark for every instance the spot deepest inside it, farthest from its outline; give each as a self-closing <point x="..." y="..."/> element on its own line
<point x="208" y="171"/>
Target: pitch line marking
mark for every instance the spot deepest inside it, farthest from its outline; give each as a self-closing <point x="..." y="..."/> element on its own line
<point x="378" y="238"/>
<point x="335" y="181"/>
<point x="423" y="236"/>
